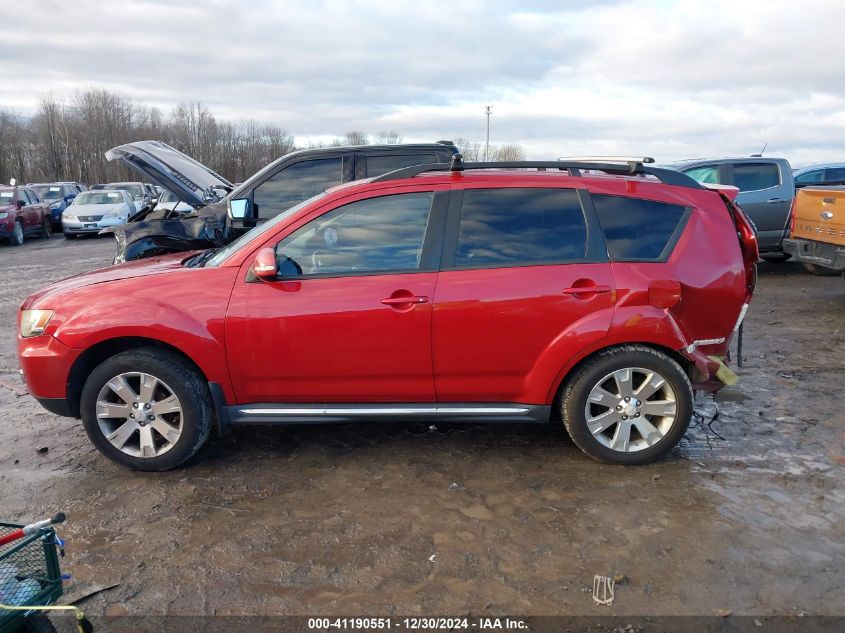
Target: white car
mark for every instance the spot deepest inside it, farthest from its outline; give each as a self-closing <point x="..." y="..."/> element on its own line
<point x="92" y="211"/>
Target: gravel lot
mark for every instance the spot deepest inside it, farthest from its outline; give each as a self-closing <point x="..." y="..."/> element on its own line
<point x="748" y="515"/>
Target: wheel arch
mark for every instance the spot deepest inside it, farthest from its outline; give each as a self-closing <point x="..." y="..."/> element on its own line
<point x="586" y="357"/>
<point x="101" y="351"/>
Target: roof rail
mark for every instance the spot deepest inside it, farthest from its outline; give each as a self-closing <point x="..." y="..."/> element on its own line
<point x="610" y="159"/>
<point x="624" y="168"/>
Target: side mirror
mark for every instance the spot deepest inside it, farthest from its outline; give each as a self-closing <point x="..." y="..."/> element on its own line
<point x="19" y="205"/>
<point x="70" y="197"/>
<point x="239" y="208"/>
<point x="264" y="265"/>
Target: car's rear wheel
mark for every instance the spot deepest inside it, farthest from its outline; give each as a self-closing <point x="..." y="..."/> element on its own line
<point x="147" y="409"/>
<point x="16" y="238"/>
<point x="821" y="271"/>
<point x="47" y="228"/>
<point x="627" y="405"/>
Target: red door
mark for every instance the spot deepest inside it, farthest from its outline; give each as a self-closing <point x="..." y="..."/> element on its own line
<point x="350" y="318"/>
<point x="525" y="287"/>
<point x="332" y="340"/>
<point x="502" y="335"/>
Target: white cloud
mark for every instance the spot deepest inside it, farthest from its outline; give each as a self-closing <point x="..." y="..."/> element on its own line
<point x="670" y="79"/>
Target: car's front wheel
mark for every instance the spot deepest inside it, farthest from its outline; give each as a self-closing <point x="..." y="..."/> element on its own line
<point x="147" y="409"/>
<point x="16" y="238"/>
<point x="627" y="405"/>
<point x="47" y="228"/>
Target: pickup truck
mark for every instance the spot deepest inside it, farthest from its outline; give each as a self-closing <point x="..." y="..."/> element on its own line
<point x="817" y="232"/>
<point x="766" y="190"/>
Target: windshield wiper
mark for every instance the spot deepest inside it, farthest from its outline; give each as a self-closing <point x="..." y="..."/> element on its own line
<point x="199" y="260"/>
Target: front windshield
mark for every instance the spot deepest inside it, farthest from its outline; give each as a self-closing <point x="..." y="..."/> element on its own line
<point x="258" y="231"/>
<point x="99" y="197"/>
<point x="134" y="190"/>
<point x="48" y="192"/>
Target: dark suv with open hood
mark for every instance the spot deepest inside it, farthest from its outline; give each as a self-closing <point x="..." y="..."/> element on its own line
<point x="221" y="211"/>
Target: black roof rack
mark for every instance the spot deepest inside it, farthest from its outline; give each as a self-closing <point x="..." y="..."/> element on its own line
<point x="627" y="168"/>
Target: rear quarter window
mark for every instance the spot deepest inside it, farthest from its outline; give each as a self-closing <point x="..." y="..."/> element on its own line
<point x="639" y="230"/>
<point x="756" y="176"/>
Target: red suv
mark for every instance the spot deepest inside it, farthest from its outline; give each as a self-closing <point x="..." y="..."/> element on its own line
<point x="518" y="292"/>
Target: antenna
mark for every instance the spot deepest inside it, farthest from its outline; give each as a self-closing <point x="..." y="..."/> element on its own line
<point x="760" y="155"/>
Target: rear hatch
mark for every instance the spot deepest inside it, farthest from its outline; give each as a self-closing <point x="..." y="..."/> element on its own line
<point x="819" y="215"/>
<point x="746" y="232"/>
<point x="189" y="179"/>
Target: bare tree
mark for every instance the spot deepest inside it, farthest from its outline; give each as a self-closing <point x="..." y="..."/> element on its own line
<point x="508" y="151"/>
<point x="388" y="138"/>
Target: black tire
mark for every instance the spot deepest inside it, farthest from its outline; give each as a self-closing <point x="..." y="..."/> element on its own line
<point x="186" y="383"/>
<point x="38" y="624"/>
<point x="577" y="389"/>
<point x="16" y="238"/>
<point x="47" y="228"/>
<point x="820" y="271"/>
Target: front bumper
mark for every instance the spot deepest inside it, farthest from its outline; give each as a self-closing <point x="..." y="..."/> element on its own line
<point x="76" y="226"/>
<point x="813" y="252"/>
<point x="45" y="365"/>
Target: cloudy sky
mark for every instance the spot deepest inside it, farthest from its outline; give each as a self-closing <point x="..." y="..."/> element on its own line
<point x="667" y="78"/>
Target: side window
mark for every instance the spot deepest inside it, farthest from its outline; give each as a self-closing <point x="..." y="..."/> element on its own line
<point x="381" y="164"/>
<point x="296" y="183"/>
<point x="755" y="176"/>
<point x="817" y="175"/>
<point x="513" y="227"/>
<point x="705" y="174"/>
<point x="834" y="173"/>
<point x="637" y="229"/>
<point x="27" y="197"/>
<point x="382" y="234"/>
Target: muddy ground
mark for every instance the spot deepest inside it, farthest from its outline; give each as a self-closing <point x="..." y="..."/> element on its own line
<point x="746" y="516"/>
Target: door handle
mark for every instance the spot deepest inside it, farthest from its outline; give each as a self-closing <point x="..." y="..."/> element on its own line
<point x="394" y="301"/>
<point x="775" y="200"/>
<point x="586" y="290"/>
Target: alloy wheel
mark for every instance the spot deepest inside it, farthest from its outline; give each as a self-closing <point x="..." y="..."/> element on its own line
<point x="139" y="414"/>
<point x="631" y="409"/>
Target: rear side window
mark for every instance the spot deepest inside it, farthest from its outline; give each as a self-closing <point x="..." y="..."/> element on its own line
<point x="378" y="165"/>
<point x="816" y="175"/>
<point x="708" y="173"/>
<point x="637" y="229"/>
<point x="755" y="176"/>
<point x="296" y="183"/>
<point x="513" y="227"/>
<point x="835" y="173"/>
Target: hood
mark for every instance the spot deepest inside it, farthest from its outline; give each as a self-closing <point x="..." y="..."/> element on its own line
<point x="190" y="180"/>
<point x="140" y="268"/>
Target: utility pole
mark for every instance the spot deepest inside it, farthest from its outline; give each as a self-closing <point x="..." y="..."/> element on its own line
<point x="487" y="111"/>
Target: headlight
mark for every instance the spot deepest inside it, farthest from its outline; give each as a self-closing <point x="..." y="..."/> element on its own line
<point x="56" y="205"/>
<point x="33" y="322"/>
<point x="4" y="215"/>
<point x="69" y="217"/>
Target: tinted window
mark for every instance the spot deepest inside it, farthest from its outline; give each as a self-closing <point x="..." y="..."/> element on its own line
<point x="296" y="183"/>
<point x="379" y="234"/>
<point x="817" y="175"/>
<point x="835" y="173"/>
<point x="634" y="228"/>
<point x="754" y="176"/>
<point x="520" y="226"/>
<point x="378" y="165"/>
<point x="708" y="173"/>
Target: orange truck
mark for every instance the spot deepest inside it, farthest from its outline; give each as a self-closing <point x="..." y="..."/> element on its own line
<point x="817" y="234"/>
